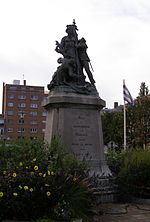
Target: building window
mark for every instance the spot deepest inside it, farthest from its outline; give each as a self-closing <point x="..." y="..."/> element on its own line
<point x="10" y="130"/>
<point x="33" y="113"/>
<point x="10" y="112"/>
<point x="33" y="105"/>
<point x="23" y="88"/>
<point x="2" y="131"/>
<point x="21" y="112"/>
<point x="33" y="97"/>
<point x="21" y="105"/>
<point x="10" y="104"/>
<point x="33" y="130"/>
<point x="43" y="121"/>
<point x="33" y="122"/>
<point x="13" y="87"/>
<point x="43" y="130"/>
<point x="21" y="97"/>
<point x="21" y="121"/>
<point x="44" y="113"/>
<point x="1" y="121"/>
<point x="21" y="130"/>
<point x="10" y="96"/>
<point x="10" y="121"/>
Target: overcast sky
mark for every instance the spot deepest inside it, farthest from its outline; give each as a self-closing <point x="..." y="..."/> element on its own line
<point x="117" y="34"/>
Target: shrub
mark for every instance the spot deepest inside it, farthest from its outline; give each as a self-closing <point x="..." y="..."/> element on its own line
<point x="41" y="181"/>
<point x="115" y="160"/>
<point x="134" y="177"/>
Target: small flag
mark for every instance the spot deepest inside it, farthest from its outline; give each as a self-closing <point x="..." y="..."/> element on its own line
<point x="127" y="96"/>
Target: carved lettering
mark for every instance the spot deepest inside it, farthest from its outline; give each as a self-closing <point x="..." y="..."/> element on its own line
<point x="82" y="132"/>
<point x="81" y="126"/>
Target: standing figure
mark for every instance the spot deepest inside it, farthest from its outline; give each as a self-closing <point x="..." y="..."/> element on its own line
<point x="68" y="48"/>
<point x="84" y="59"/>
<point x="67" y="45"/>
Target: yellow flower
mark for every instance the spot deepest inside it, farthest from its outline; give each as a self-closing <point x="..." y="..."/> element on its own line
<point x="27" y="167"/>
<point x="40" y="174"/>
<point x="14" y="174"/>
<point x="52" y="173"/>
<point x="44" y="175"/>
<point x="48" y="193"/>
<point x="20" y="164"/>
<point x="20" y="186"/>
<point x="4" y="172"/>
<point x="15" y="194"/>
<point x="74" y="179"/>
<point x="34" y="160"/>
<point x="36" y="168"/>
<point x="31" y="189"/>
<point x="26" y="187"/>
<point x="1" y="194"/>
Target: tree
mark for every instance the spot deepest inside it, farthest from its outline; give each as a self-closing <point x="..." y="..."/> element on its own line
<point x="138" y="119"/>
<point x="113" y="127"/>
<point x="143" y="90"/>
<point x="138" y="122"/>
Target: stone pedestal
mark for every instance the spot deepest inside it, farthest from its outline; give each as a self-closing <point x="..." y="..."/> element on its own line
<point x="76" y="118"/>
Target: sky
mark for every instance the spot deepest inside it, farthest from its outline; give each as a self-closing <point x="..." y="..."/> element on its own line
<point x="117" y="33"/>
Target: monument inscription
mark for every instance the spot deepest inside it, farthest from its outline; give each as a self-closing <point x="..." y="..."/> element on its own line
<point x="81" y="131"/>
<point x="81" y="126"/>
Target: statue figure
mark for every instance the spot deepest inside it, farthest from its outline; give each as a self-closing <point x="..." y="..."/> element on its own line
<point x="67" y="46"/>
<point x="83" y="56"/>
<point x="64" y="73"/>
<point x="74" y="60"/>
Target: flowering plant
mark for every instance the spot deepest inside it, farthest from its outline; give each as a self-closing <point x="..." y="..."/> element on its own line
<point x="41" y="181"/>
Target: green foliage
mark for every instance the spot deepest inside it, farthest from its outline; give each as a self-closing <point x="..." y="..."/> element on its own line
<point x="23" y="151"/>
<point x="42" y="181"/>
<point x="138" y="123"/>
<point x="115" y="160"/>
<point x="113" y="127"/>
<point x="134" y="177"/>
<point x="143" y="90"/>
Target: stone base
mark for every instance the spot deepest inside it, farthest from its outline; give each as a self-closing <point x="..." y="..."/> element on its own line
<point x="106" y="190"/>
<point x="76" y="118"/>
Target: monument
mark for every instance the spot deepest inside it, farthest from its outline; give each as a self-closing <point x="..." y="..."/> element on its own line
<point x="73" y="104"/>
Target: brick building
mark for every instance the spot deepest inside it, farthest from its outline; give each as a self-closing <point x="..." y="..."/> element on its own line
<point x="24" y="116"/>
<point x="1" y="127"/>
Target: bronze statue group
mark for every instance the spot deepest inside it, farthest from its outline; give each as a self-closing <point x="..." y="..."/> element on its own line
<point x="75" y="59"/>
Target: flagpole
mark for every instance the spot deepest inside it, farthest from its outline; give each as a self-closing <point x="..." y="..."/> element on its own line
<point x="128" y="98"/>
<point x="125" y="139"/>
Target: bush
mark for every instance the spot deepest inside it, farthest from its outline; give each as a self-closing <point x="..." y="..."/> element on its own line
<point x="134" y="177"/>
<point x="115" y="160"/>
<point x="41" y="181"/>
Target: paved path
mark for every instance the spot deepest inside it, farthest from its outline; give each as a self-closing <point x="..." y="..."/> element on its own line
<point x="123" y="213"/>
